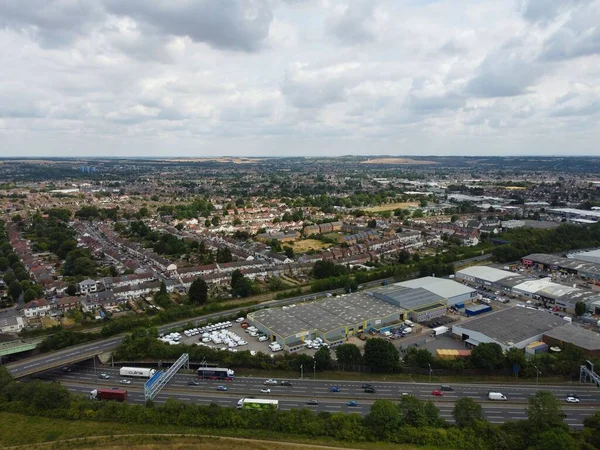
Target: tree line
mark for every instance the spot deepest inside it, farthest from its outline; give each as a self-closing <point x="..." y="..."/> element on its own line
<point x="524" y="241"/>
<point x="407" y="421"/>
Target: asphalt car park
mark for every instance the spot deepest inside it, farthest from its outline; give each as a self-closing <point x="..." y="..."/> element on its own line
<point x="235" y="331"/>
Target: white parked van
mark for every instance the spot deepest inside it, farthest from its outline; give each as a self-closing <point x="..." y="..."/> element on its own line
<point x="408" y="323"/>
<point x="496" y="396"/>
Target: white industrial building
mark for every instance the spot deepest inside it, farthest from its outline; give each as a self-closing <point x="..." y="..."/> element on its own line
<point x="454" y="293"/>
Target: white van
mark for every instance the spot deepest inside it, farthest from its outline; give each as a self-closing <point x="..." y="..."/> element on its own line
<point x="496" y="396"/>
<point x="408" y="323"/>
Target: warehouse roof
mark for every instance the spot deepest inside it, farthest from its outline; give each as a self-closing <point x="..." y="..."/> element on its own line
<point x="485" y="273"/>
<point x="407" y="298"/>
<point x="438" y="286"/>
<point x="513" y="325"/>
<point x="324" y="315"/>
<point x="580" y="337"/>
<point x="536" y="284"/>
<point x="567" y="263"/>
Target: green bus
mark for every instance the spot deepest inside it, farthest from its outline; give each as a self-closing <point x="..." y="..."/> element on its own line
<point x="257" y="403"/>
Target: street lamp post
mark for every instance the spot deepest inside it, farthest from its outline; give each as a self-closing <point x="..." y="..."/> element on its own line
<point x="301" y="371"/>
<point x="430" y="370"/>
<point x="537" y="374"/>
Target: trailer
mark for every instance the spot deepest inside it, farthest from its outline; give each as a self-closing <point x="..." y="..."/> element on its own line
<point x="438" y="331"/>
<point x="257" y="403"/>
<point x="118" y="395"/>
<point x="138" y="372"/>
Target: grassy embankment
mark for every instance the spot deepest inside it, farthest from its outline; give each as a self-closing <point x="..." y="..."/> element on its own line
<point x="45" y="433"/>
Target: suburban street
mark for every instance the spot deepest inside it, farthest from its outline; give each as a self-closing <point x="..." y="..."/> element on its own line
<point x="296" y="396"/>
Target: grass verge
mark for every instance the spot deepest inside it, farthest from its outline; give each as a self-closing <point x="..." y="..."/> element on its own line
<point x="30" y="432"/>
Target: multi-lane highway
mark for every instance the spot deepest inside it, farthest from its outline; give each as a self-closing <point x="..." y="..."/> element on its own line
<point x="78" y="353"/>
<point x="297" y="395"/>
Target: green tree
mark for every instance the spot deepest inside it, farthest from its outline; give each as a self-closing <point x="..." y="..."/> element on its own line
<point x="580" y="308"/>
<point x="487" y="356"/>
<point x="143" y="212"/>
<point x="237" y="222"/>
<point x="224" y="255"/>
<point x="289" y="252"/>
<point x="4" y="264"/>
<point x="403" y="257"/>
<point x="30" y="294"/>
<point x="323" y="269"/>
<point x="12" y="259"/>
<point x="453" y="218"/>
<point x="544" y="413"/>
<point x="348" y="355"/>
<point x="198" y="293"/>
<point x="71" y="289"/>
<point x="15" y="289"/>
<point x="9" y="277"/>
<point x="163" y="288"/>
<point x="381" y="354"/>
<point x="215" y="221"/>
<point x="384" y="420"/>
<point x="372" y="223"/>
<point x="591" y="430"/>
<point x="555" y="440"/>
<point x="466" y="412"/>
<point x="323" y="358"/>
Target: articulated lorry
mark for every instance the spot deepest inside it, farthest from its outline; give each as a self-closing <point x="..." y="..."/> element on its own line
<point x="118" y="395"/>
<point x="140" y="372"/>
<point x="257" y="403"/>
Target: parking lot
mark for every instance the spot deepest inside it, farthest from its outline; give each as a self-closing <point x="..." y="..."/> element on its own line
<point x="226" y="336"/>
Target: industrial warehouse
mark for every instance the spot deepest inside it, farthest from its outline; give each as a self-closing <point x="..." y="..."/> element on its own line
<point x="332" y="319"/>
<point x="586" y="267"/>
<point x="544" y="290"/>
<point x="336" y="318"/>
<point x="510" y="328"/>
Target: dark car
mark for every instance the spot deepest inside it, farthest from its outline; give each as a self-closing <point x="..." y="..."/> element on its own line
<point x="286" y="383"/>
<point x="366" y="385"/>
<point x="67" y="369"/>
<point x="370" y="390"/>
<point x="447" y="388"/>
<point x="334" y="389"/>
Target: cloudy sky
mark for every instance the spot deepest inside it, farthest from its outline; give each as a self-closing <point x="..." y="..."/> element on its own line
<point x="299" y="77"/>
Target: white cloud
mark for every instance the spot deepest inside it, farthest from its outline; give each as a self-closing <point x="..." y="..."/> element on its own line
<point x="284" y="77"/>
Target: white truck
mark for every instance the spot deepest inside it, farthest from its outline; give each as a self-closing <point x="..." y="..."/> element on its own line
<point x="496" y="396"/>
<point x="438" y="331"/>
<point x="138" y="372"/>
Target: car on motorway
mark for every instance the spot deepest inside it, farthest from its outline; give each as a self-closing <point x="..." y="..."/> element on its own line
<point x="125" y="381"/>
<point x="265" y="390"/>
<point x="366" y="385"/>
<point x="312" y="402"/>
<point x="352" y="403"/>
<point x="572" y="400"/>
<point x="104" y="376"/>
<point x="369" y="390"/>
<point x="270" y="382"/>
<point x="67" y="369"/>
<point x="334" y="389"/>
<point x="286" y="383"/>
<point x="221" y="388"/>
<point x="193" y="383"/>
<point x="447" y="388"/>
<point x="404" y="394"/>
<point x="437" y="393"/>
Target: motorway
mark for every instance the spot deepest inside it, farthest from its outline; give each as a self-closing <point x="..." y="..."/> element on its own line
<point x="79" y="353"/>
<point x="83" y="380"/>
